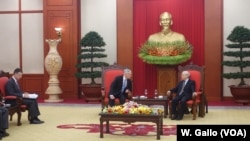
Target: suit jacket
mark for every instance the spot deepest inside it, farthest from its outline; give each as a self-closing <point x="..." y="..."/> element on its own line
<point x="12" y="89"/>
<point x="188" y="90"/>
<point x="116" y="86"/>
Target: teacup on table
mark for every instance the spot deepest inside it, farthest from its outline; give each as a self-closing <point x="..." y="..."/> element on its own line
<point x="143" y="97"/>
<point x="160" y="96"/>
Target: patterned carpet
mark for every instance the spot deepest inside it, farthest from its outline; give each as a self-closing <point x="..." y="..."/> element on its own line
<point x="58" y="115"/>
<point x="125" y="129"/>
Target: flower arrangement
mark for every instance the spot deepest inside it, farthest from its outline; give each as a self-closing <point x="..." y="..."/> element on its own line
<point x="132" y="107"/>
<point x="168" y="53"/>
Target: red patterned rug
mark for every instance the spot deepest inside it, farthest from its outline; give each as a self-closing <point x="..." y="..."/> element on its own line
<point x="126" y="129"/>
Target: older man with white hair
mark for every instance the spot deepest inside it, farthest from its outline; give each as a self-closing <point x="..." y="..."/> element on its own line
<point x="185" y="89"/>
<point x="120" y="87"/>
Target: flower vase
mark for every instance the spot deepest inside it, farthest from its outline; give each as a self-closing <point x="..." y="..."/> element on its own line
<point x="53" y="65"/>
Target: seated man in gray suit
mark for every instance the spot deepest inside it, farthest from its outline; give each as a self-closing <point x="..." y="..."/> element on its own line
<point x="185" y="90"/>
<point x="120" y="87"/>
<point x="12" y="89"/>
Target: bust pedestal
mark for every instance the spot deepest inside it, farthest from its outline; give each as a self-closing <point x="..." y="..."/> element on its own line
<point x="166" y="78"/>
<point x="53" y="65"/>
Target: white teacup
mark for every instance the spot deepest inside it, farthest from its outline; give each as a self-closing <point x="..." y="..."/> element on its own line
<point x="160" y="96"/>
<point x="142" y="97"/>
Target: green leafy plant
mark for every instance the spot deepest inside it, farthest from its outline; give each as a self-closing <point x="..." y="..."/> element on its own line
<point x="90" y="56"/>
<point x="240" y="38"/>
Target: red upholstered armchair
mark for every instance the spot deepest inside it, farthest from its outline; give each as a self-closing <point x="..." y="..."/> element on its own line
<point x="19" y="107"/>
<point x="199" y="102"/>
<point x="108" y="75"/>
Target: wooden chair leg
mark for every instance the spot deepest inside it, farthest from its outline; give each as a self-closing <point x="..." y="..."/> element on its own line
<point x="19" y="114"/>
<point x="199" y="106"/>
<point x="11" y="117"/>
<point x="206" y="103"/>
<point x="194" y="107"/>
<point x="170" y="111"/>
<point x="203" y="105"/>
<point x="200" y="110"/>
<point x="206" y="107"/>
<point x="203" y="110"/>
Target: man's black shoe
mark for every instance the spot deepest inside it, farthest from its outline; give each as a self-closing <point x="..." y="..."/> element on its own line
<point x="36" y="122"/>
<point x="5" y="134"/>
<point x="36" y="118"/>
<point x="174" y="117"/>
<point x="39" y="120"/>
<point x="179" y="118"/>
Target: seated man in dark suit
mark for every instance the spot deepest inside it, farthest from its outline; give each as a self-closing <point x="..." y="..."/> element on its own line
<point x="185" y="90"/>
<point x="4" y="121"/>
<point x="12" y="89"/>
<point x="120" y="87"/>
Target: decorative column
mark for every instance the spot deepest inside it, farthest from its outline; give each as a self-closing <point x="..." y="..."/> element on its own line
<point x="53" y="65"/>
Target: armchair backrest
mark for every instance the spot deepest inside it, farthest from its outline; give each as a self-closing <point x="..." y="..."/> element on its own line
<point x="108" y="75"/>
<point x="3" y="81"/>
<point x="3" y="73"/>
<point x="196" y="74"/>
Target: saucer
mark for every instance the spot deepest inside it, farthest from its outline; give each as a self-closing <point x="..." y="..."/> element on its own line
<point x="135" y="97"/>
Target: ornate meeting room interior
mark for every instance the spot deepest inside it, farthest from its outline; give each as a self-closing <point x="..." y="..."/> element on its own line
<point x="45" y="38"/>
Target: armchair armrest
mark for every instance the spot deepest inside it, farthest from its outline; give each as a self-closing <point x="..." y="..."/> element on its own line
<point x="103" y="92"/>
<point x="17" y="99"/>
<point x="129" y="95"/>
<point x="1" y="104"/>
<point x="197" y="96"/>
<point x="171" y="96"/>
<point x="10" y="97"/>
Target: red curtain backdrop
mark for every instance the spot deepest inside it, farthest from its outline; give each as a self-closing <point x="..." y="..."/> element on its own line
<point x="188" y="19"/>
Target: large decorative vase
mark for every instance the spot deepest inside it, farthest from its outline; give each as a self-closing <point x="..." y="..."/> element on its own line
<point x="53" y="65"/>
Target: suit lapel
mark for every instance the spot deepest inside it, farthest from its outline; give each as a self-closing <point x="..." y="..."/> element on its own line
<point x="16" y="85"/>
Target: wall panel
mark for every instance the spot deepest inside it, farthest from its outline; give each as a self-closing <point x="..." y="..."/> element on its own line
<point x="63" y="20"/>
<point x="60" y="2"/>
<point x="100" y="16"/>
<point x="32" y="41"/>
<point x="9" y="5"/>
<point x="64" y="14"/>
<point x="232" y="9"/>
<point x="213" y="49"/>
<point x="125" y="33"/>
<point x="33" y="83"/>
<point x="10" y="57"/>
<point x="32" y="4"/>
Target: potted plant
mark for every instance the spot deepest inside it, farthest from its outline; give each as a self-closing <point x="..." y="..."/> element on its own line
<point x="240" y="40"/>
<point x="90" y="64"/>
